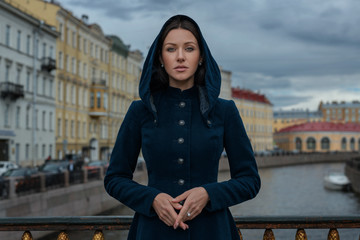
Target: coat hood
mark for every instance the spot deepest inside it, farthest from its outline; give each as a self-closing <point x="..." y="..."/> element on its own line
<point x="208" y="93"/>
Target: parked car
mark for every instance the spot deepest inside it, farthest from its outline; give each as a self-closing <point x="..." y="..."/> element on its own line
<point x="27" y="179"/>
<point x="93" y="168"/>
<point x="4" y="166"/>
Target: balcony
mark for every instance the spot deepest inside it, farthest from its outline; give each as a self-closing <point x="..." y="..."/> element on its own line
<point x="11" y="90"/>
<point x="98" y="224"/>
<point x="48" y="64"/>
<point x="98" y="82"/>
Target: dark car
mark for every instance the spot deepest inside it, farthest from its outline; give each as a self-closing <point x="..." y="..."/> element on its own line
<point x="26" y="179"/>
<point x="54" y="172"/>
<point x="94" y="168"/>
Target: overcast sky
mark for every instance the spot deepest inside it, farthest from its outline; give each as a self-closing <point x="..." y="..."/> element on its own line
<point x="296" y="52"/>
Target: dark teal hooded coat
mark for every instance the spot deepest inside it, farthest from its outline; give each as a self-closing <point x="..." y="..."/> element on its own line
<point x="182" y="135"/>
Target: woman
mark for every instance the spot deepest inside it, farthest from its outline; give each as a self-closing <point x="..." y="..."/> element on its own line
<point x="182" y="127"/>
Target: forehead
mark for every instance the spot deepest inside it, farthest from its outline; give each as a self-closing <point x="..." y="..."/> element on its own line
<point x="179" y="36"/>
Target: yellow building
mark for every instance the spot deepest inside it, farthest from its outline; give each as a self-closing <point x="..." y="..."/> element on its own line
<point x="257" y="114"/>
<point x="319" y="137"/>
<point x="88" y="109"/>
<point x="287" y="118"/>
<point x="340" y="111"/>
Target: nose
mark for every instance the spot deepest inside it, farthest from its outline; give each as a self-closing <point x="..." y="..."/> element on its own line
<point x="180" y="56"/>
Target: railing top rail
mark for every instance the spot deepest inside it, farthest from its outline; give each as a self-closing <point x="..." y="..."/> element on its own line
<point x="123" y="222"/>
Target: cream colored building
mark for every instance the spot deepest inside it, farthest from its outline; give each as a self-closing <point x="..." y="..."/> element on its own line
<point x="87" y="106"/>
<point x="319" y="137"/>
<point x="225" y="91"/>
<point x="341" y="112"/>
<point x="257" y="114"/>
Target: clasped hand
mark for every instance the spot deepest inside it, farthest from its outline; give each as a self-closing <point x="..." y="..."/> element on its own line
<point x="194" y="201"/>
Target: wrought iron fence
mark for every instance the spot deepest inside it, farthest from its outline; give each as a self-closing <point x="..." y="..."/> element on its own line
<point x="99" y="224"/>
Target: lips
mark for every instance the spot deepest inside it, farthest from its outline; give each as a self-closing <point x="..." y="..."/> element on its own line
<point x="180" y="68"/>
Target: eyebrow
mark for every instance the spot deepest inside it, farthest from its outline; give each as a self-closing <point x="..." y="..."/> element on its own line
<point x="170" y="43"/>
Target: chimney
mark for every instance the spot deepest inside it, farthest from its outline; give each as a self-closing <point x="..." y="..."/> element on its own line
<point x="85" y="18"/>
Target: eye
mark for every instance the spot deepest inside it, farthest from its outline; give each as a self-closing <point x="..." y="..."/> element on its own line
<point x="170" y="49"/>
<point x="189" y="49"/>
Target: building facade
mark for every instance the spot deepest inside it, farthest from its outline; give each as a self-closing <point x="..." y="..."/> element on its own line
<point x="286" y="118"/>
<point x="225" y="91"/>
<point x="319" y="137"/>
<point x="27" y="81"/>
<point x="87" y="106"/>
<point x="340" y="112"/>
<point x="257" y="114"/>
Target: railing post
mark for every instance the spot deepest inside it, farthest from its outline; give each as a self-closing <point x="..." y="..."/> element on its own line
<point x="268" y="235"/>
<point x="26" y="236"/>
<point x="85" y="172"/>
<point x="300" y="234"/>
<point x="101" y="174"/>
<point x="240" y="235"/>
<point x="62" y="236"/>
<point x="42" y="182"/>
<point x="12" y="188"/>
<point x="66" y="178"/>
<point x="98" y="235"/>
<point x="333" y="234"/>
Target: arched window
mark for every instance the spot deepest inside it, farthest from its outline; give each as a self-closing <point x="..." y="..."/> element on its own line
<point x="311" y="143"/>
<point x="343" y="144"/>
<point x="298" y="144"/>
<point x="325" y="143"/>
<point x="352" y="144"/>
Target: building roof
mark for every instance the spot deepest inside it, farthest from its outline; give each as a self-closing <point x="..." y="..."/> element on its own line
<point x="249" y="95"/>
<point x="322" y="127"/>
<point x="297" y="114"/>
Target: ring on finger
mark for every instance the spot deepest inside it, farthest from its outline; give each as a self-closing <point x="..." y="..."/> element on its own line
<point x="188" y="214"/>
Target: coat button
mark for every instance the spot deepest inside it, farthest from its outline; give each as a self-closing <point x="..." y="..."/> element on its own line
<point x="181" y="182"/>
<point x="208" y="122"/>
<point x="182" y="104"/>
<point x="180" y="160"/>
<point x="181" y="122"/>
<point x="180" y="140"/>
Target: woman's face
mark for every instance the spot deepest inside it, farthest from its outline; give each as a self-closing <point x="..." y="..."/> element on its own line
<point x="180" y="56"/>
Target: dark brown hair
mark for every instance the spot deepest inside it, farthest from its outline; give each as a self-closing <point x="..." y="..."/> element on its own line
<point x="160" y="79"/>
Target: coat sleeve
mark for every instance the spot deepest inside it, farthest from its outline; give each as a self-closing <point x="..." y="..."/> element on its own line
<point x="245" y="181"/>
<point x="118" y="180"/>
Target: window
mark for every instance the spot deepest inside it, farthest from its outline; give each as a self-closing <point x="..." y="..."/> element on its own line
<point x="27" y="118"/>
<point x="59" y="127"/>
<point x="51" y="83"/>
<point x="50" y="149"/>
<point x="8" y="32"/>
<point x="352" y="144"/>
<point x="311" y="143"/>
<point x="85" y="74"/>
<point x="60" y="60"/>
<point x="27" y="151"/>
<point x="85" y="46"/>
<point x="78" y="129"/>
<point x="51" y="52"/>
<point x="43" y="151"/>
<point x="37" y="48"/>
<point x="61" y="30"/>
<point x="18" y="75"/>
<point x="98" y="99"/>
<point x="50" y="121"/>
<point x="6" y="115"/>
<point x="44" y="86"/>
<point x="91" y="99"/>
<point x="343" y="144"/>
<point x="73" y="97"/>
<point x="72" y="129"/>
<point x="36" y="119"/>
<point x="105" y="100"/>
<point x="73" y="65"/>
<point x="66" y="128"/>
<point x="84" y="130"/>
<point x="18" y="42"/>
<point x="74" y="39"/>
<point x="67" y="63"/>
<point x="28" y="42"/>
<point x="18" y="111"/>
<point x="43" y="120"/>
<point x="60" y="91"/>
<point x="44" y="50"/>
<point x="325" y="143"/>
<point x="28" y="81"/>
<point x="7" y="71"/>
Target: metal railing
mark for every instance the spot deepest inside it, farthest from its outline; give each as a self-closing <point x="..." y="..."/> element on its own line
<point x="98" y="224"/>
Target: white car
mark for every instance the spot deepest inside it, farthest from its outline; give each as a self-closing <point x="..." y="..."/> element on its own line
<point x="4" y="166"/>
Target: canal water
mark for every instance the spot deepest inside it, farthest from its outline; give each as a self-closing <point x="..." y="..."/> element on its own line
<point x="286" y="191"/>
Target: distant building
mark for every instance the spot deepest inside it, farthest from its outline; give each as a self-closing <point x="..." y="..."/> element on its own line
<point x="319" y="137"/>
<point x="96" y="80"/>
<point x="27" y="87"/>
<point x="341" y="112"/>
<point x="286" y="118"/>
<point x="257" y="114"/>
